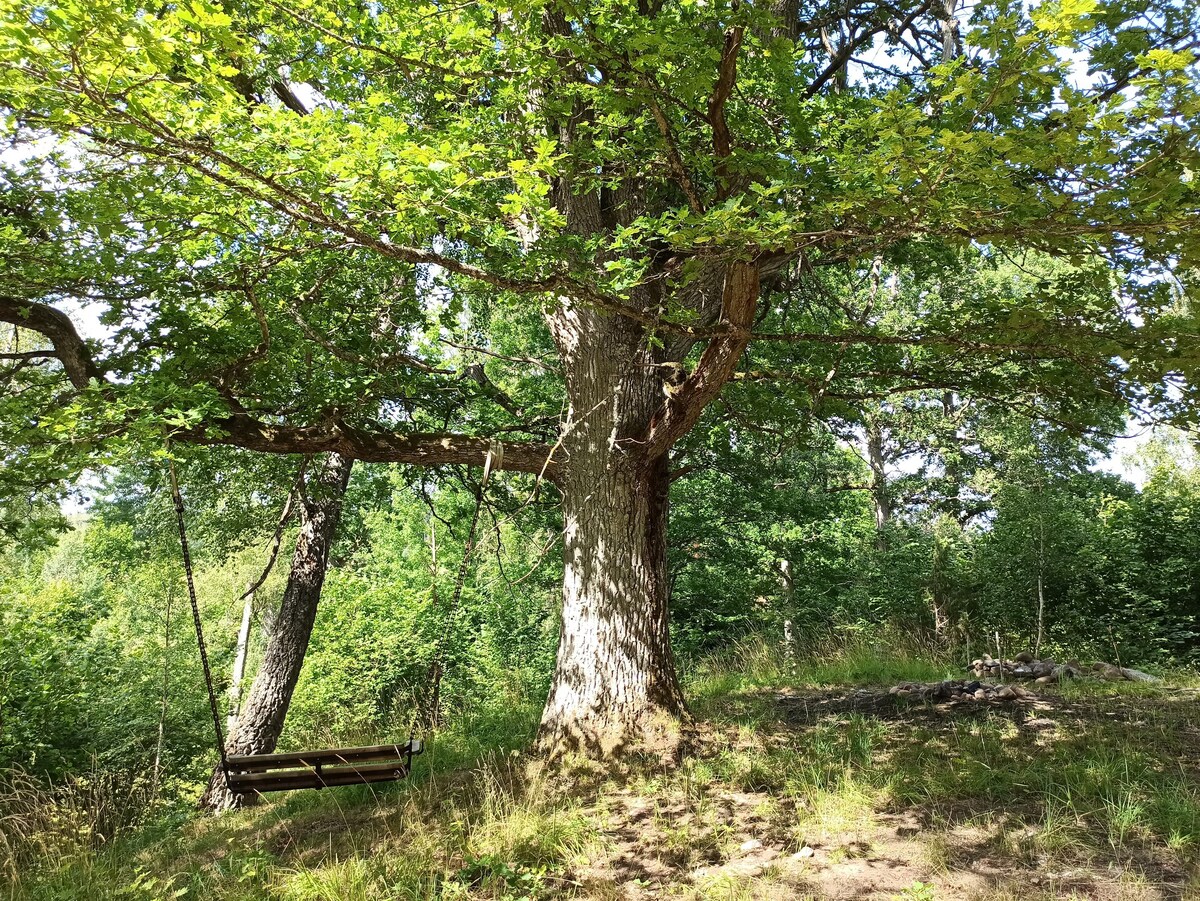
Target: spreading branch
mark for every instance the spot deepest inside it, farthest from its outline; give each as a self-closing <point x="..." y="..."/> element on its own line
<point x="56" y="327"/>
<point x="683" y="406"/>
<point x="241" y="429"/>
<point x="726" y="78"/>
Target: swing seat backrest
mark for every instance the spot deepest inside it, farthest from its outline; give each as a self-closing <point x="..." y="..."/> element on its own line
<point x="317" y="769"/>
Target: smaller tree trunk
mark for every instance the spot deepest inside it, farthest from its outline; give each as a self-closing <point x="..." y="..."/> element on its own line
<point x="788" y="585"/>
<point x="239" y="664"/>
<point x="261" y="721"/>
<point x="939" y="589"/>
<point x="880" y="499"/>
<point x="1041" y="588"/>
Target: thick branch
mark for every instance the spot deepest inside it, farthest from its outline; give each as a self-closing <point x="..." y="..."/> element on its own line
<point x="716" y="366"/>
<point x="418" y="449"/>
<point x="240" y="429"/>
<point x="58" y="329"/>
<point x="726" y="77"/>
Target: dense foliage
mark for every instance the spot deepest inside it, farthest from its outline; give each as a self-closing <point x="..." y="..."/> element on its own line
<point x="90" y="665"/>
<point x="767" y="320"/>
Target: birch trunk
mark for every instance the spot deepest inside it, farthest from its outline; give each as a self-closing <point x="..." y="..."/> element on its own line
<point x="239" y="664"/>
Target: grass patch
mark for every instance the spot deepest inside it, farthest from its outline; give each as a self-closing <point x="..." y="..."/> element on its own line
<point x="1109" y="788"/>
<point x="839" y="659"/>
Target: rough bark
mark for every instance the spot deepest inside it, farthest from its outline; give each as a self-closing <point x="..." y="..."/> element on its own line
<point x="262" y="718"/>
<point x="614" y="680"/>
<point x="615" y="676"/>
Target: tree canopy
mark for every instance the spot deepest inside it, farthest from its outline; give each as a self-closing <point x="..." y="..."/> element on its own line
<point x="417" y="232"/>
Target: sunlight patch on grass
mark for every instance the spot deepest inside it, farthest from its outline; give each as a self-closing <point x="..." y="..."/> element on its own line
<point x="881" y="657"/>
<point x="844" y="812"/>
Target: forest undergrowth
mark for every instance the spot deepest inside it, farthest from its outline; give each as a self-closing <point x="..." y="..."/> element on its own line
<point x="1092" y="791"/>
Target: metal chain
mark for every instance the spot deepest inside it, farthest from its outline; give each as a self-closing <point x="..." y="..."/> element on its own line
<point x="191" y="586"/>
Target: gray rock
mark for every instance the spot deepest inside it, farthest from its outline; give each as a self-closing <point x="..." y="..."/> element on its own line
<point x="1136" y="675"/>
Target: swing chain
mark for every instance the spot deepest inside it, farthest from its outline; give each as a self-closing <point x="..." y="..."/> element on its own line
<point x="177" y="497"/>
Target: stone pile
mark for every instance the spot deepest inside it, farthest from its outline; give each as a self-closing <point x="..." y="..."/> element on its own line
<point x="960" y="690"/>
<point x="1025" y="667"/>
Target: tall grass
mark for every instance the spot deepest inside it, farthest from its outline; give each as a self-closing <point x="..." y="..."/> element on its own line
<point x="49" y="825"/>
<point x="471" y="823"/>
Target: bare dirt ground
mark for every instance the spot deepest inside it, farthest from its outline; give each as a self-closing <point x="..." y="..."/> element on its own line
<point x="873" y="836"/>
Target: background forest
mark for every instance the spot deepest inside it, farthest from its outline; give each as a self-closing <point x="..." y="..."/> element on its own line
<point x="100" y="673"/>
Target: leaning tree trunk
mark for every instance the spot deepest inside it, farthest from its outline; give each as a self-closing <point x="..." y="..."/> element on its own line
<point x="261" y="719"/>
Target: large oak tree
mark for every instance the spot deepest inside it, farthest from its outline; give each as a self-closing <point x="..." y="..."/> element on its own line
<point x="416" y="232"/>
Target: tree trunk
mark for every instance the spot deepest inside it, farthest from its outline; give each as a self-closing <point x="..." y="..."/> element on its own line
<point x="614" y="682"/>
<point x="880" y="499"/>
<point x="632" y="394"/>
<point x="261" y="720"/>
<point x="939" y="586"/>
<point x="788" y="584"/>
<point x="239" y="663"/>
<point x="1041" y="586"/>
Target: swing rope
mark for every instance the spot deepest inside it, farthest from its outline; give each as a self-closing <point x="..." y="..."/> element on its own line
<point x="177" y="497"/>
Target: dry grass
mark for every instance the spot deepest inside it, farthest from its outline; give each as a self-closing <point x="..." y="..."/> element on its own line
<point x="52" y="825"/>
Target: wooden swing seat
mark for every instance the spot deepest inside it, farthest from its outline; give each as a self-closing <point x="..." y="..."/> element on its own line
<point x="249" y="773"/>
